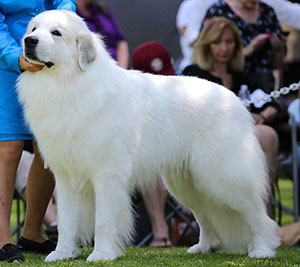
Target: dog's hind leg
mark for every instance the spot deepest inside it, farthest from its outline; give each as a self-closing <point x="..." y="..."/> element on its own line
<point x="208" y="240"/>
<point x="264" y="233"/>
<point x="68" y="212"/>
<point x="113" y="221"/>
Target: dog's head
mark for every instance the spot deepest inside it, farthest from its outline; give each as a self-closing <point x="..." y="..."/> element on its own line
<point x="56" y="37"/>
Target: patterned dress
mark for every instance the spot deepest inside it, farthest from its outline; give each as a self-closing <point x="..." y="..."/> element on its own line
<point x="260" y="60"/>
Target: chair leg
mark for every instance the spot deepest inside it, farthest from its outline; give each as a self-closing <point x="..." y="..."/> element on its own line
<point x="17" y="230"/>
<point x="175" y="210"/>
<point x="295" y="167"/>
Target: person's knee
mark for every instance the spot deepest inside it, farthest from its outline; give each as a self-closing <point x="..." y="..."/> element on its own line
<point x="273" y="140"/>
<point x="11" y="150"/>
<point x="268" y="138"/>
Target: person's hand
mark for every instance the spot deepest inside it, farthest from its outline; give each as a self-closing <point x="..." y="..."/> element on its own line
<point x="26" y="65"/>
<point x="277" y="44"/>
<point x="256" y="43"/>
<point x="258" y="118"/>
<point x="278" y="52"/>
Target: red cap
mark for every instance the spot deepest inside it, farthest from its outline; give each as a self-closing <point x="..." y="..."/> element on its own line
<point x="153" y="57"/>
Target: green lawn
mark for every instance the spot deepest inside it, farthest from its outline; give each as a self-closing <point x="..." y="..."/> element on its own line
<point x="286" y="192"/>
<point x="177" y="256"/>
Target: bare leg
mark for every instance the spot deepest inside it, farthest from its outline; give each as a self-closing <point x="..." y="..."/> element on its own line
<point x="269" y="142"/>
<point x="155" y="200"/>
<point x="51" y="216"/>
<point x="10" y="153"/>
<point x="21" y="180"/>
<point x="40" y="186"/>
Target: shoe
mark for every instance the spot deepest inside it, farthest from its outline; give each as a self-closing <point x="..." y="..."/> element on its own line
<point x="52" y="233"/>
<point x="160" y="242"/>
<point x="11" y="253"/>
<point x="51" y="230"/>
<point x="32" y="246"/>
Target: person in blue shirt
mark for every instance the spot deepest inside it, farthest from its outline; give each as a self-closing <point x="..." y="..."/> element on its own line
<point x="14" y="17"/>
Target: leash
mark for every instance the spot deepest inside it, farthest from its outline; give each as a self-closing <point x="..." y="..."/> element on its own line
<point x="274" y="94"/>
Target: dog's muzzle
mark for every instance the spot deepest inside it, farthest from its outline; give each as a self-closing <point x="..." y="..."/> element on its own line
<point x="30" y="45"/>
<point x="30" y="48"/>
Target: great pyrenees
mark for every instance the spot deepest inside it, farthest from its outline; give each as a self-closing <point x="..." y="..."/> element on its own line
<point x="103" y="130"/>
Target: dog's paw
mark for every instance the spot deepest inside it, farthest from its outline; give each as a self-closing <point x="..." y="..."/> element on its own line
<point x="194" y="249"/>
<point x="103" y="256"/>
<point x="198" y="248"/>
<point x="262" y="253"/>
<point x="61" y="255"/>
<point x="203" y="249"/>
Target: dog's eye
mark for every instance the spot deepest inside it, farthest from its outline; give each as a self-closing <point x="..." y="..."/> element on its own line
<point x="33" y="29"/>
<point x="56" y="32"/>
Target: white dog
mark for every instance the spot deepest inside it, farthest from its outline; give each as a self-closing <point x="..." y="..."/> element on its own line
<point x="103" y="130"/>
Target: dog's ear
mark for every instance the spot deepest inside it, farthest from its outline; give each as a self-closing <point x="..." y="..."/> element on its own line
<point x="86" y="50"/>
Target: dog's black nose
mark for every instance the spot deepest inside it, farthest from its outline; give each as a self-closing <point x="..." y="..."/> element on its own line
<point x="31" y="41"/>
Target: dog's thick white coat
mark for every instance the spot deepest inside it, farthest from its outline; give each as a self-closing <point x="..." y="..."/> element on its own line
<point x="103" y="129"/>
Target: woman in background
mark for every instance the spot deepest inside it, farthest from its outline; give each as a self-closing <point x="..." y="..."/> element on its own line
<point x="261" y="34"/>
<point x="100" y="19"/>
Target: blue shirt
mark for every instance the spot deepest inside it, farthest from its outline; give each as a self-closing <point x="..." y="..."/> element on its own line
<point x="14" y="17"/>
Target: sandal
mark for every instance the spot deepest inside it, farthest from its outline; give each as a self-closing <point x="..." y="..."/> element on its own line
<point x="11" y="253"/>
<point x="160" y="242"/>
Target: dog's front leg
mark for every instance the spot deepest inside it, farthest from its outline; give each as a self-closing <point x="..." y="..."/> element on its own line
<point x="67" y="208"/>
<point x="113" y="219"/>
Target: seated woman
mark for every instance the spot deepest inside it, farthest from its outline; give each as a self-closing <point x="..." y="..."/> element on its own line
<point x="218" y="57"/>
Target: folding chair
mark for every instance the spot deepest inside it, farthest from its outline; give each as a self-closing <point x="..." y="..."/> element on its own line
<point x="20" y="215"/>
<point x="175" y="210"/>
<point x="288" y="164"/>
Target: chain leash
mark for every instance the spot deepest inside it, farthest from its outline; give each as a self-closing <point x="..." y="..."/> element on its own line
<point x="274" y="94"/>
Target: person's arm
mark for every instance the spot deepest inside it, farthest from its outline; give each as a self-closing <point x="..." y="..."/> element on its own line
<point x="277" y="42"/>
<point x="122" y="46"/>
<point x="10" y="50"/>
<point x="255" y="44"/>
<point x="278" y="52"/>
<point x="123" y="54"/>
<point x="65" y="4"/>
<point x="268" y="115"/>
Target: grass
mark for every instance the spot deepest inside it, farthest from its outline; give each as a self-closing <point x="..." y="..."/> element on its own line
<point x="286" y="192"/>
<point x="177" y="256"/>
